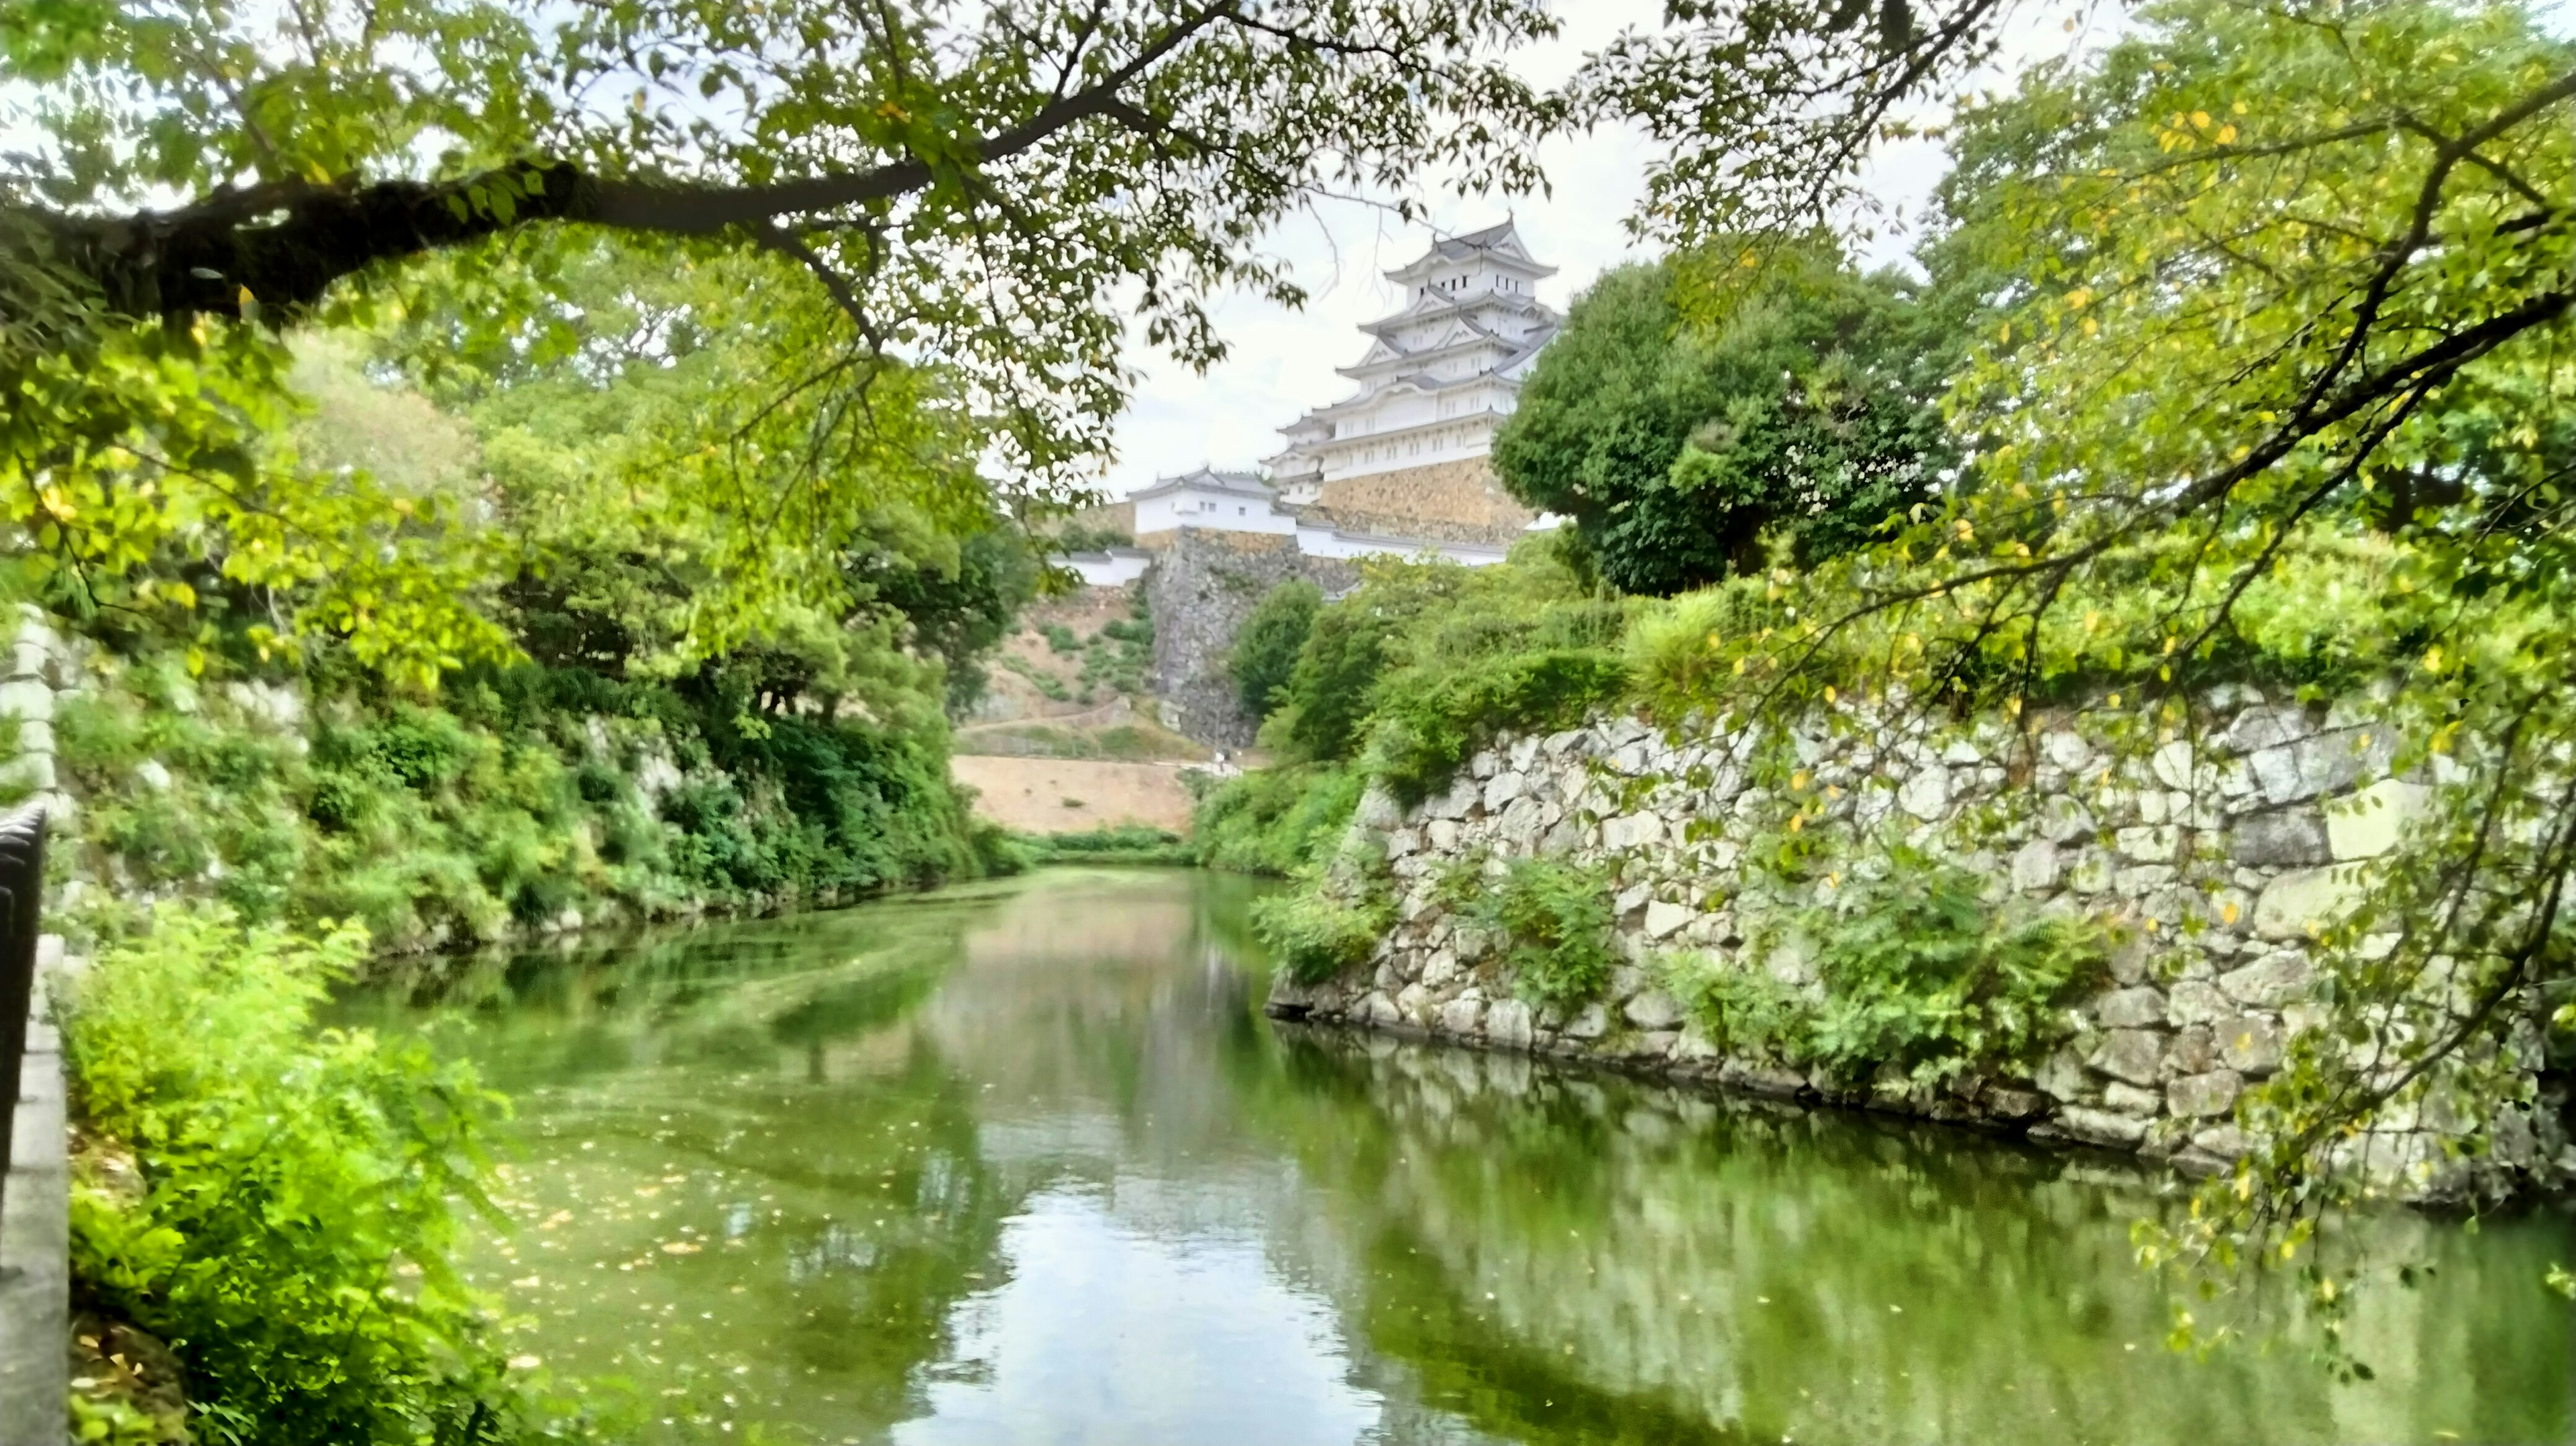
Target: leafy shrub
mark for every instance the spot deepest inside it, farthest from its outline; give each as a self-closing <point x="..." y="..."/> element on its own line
<point x="298" y="1190"/>
<point x="1276" y="820"/>
<point x="1118" y="844"/>
<point x="1916" y="973"/>
<point x="1265" y="650"/>
<point x="1315" y="936"/>
<point x="1555" y="921"/>
<point x="512" y="798"/>
<point x="1421" y="734"/>
<point x="1328" y="691"/>
<point x="1060" y="638"/>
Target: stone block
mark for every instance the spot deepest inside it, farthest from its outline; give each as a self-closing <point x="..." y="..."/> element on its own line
<point x="33" y="771"/>
<point x="2091" y="872"/>
<point x="2012" y="1104"/>
<point x="2192" y="1051"/>
<point x="2225" y="1141"/>
<point x="1926" y="794"/>
<point x="1591" y="1023"/>
<point x="2139" y="880"/>
<point x="2132" y="1008"/>
<point x="2128" y="1099"/>
<point x="1502" y="788"/>
<point x="1452" y="805"/>
<point x="2250" y="1044"/>
<point x="1653" y="1009"/>
<point x="1378" y="811"/>
<point x="2101" y="1127"/>
<point x="2134" y="1055"/>
<point x="1664" y="918"/>
<point x="1693" y="1047"/>
<point x="2371" y="822"/>
<point x="2204" y="1096"/>
<point x="26" y="698"/>
<point x="2295" y="903"/>
<point x="2270" y="982"/>
<point x="2326" y="763"/>
<point x="2065" y="748"/>
<point x="1443" y="833"/>
<point x="2036" y="866"/>
<point x="2172" y="764"/>
<point x="1763" y="1079"/>
<point x="1462" y="1016"/>
<point x="1507" y="1023"/>
<point x="1413" y="1001"/>
<point x="2259" y="728"/>
<point x="2195" y="1001"/>
<point x="2067" y="821"/>
<point x="2133" y="956"/>
<point x="1634" y="830"/>
<point x="2280" y="838"/>
<point x="2155" y="844"/>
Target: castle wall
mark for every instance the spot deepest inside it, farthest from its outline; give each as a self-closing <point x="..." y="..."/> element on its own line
<point x="1203" y="585"/>
<point x="2221" y="857"/>
<point x="1456" y="501"/>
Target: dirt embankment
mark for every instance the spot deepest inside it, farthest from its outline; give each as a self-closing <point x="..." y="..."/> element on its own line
<point x="1074" y="795"/>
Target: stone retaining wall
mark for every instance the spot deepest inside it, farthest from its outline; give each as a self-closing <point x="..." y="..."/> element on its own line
<point x="1202" y="587"/>
<point x="2217" y="855"/>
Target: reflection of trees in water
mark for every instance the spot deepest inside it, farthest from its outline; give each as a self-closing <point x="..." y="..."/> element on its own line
<point x="1566" y="1256"/>
<point x="861" y="1100"/>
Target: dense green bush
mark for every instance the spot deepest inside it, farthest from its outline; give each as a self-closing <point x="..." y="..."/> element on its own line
<point x="1118" y="844"/>
<point x="294" y="1192"/>
<point x="1426" y="660"/>
<point x="1275" y="820"/>
<point x="1554" y="918"/>
<point x="1423" y="732"/>
<point x="1265" y="650"/>
<point x="511" y="800"/>
<point x="1329" y="689"/>
<point x="1915" y="972"/>
<point x="1316" y="936"/>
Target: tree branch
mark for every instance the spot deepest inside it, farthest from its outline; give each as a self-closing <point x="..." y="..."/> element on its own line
<point x="212" y="257"/>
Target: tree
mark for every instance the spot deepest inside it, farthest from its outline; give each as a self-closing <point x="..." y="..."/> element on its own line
<point x="1675" y="447"/>
<point x="1266" y="647"/>
<point x="2270" y="276"/>
<point x="925" y="210"/>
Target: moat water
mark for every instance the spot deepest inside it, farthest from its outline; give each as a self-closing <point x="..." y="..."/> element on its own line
<point x="1024" y="1163"/>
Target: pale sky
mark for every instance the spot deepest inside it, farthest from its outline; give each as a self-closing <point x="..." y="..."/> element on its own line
<point x="1282" y="361"/>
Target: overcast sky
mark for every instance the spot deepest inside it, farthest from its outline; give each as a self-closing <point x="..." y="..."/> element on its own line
<point x="1283" y="360"/>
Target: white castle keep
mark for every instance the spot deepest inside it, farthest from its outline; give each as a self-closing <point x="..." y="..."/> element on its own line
<point x="1440" y="374"/>
<point x="1404" y="464"/>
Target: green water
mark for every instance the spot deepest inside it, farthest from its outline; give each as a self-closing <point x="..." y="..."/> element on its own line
<point x="1024" y="1163"/>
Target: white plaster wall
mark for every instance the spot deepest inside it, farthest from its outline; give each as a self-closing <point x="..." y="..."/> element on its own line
<point x="1190" y="507"/>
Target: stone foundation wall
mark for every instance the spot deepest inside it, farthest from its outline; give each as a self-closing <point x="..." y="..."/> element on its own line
<point x="2215" y="855"/>
<point x="1201" y="588"/>
<point x="1458" y="501"/>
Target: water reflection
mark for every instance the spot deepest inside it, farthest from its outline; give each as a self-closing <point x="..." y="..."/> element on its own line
<point x="1024" y="1163"/>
